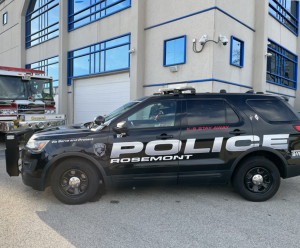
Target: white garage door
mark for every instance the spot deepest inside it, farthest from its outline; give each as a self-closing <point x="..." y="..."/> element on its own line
<point x="99" y="96"/>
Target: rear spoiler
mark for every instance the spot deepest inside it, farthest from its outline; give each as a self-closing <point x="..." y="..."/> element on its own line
<point x="12" y="153"/>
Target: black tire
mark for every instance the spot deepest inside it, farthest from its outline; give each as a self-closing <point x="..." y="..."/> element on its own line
<point x="81" y="170"/>
<point x="242" y="179"/>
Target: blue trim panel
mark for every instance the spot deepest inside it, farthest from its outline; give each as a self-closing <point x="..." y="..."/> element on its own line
<point x="231" y="50"/>
<point x="165" y="50"/>
<point x="279" y="93"/>
<point x="202" y="80"/>
<point x="199" y="12"/>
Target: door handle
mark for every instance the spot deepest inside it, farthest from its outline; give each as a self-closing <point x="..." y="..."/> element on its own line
<point x="237" y="132"/>
<point x="164" y="136"/>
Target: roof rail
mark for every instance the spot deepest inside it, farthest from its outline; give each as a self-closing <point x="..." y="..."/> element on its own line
<point x="250" y="92"/>
<point x="223" y="91"/>
<point x="260" y="93"/>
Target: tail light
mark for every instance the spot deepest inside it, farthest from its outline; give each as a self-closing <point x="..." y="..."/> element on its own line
<point x="297" y="127"/>
<point x="9" y="110"/>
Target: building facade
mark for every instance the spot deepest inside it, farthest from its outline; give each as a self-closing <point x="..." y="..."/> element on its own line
<point x="104" y="53"/>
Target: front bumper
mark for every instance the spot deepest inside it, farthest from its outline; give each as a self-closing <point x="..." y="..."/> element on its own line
<point x="8" y="126"/>
<point x="33" y="182"/>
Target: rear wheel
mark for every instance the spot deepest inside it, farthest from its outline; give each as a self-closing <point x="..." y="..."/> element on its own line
<point x="256" y="179"/>
<point x="75" y="181"/>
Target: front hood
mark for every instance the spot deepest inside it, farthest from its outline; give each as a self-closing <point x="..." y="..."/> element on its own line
<point x="62" y="132"/>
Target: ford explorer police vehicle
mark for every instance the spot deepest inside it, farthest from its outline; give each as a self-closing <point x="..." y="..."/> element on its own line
<point x="26" y="100"/>
<point x="251" y="140"/>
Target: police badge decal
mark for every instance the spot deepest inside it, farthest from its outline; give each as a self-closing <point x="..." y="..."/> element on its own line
<point x="99" y="149"/>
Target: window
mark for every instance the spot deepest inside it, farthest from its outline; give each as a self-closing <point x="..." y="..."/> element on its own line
<point x="109" y="55"/>
<point x="87" y="11"/>
<point x="5" y="18"/>
<point x="42" y="21"/>
<point x="286" y="12"/>
<point x="50" y="66"/>
<point x="175" y="51"/>
<point x="160" y="114"/>
<point x="273" y="110"/>
<point x="205" y="112"/>
<point x="237" y="52"/>
<point x="281" y="66"/>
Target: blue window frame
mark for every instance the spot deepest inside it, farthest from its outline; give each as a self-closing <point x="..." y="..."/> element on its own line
<point x="42" y="21"/>
<point x="87" y="11"/>
<point x="281" y="66"/>
<point x="50" y="66"/>
<point x="175" y="51"/>
<point x="105" y="56"/>
<point x="5" y="18"/>
<point x="286" y="12"/>
<point x="237" y="52"/>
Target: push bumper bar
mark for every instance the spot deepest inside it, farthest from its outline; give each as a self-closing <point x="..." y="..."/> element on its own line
<point x="12" y="151"/>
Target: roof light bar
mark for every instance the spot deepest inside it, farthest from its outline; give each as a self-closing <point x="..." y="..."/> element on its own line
<point x="178" y="90"/>
<point x="21" y="70"/>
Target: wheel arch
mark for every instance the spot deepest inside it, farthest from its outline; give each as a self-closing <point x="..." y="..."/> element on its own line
<point x="53" y="163"/>
<point x="276" y="157"/>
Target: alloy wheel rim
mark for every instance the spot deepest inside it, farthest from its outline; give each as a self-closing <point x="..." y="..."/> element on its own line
<point x="258" y="180"/>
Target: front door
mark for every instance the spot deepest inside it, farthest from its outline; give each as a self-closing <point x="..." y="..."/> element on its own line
<point x="213" y="133"/>
<point x="146" y="153"/>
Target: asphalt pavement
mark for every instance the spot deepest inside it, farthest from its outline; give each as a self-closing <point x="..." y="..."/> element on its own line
<point x="172" y="216"/>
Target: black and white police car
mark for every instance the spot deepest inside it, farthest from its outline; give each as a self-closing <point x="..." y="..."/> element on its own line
<point x="175" y="137"/>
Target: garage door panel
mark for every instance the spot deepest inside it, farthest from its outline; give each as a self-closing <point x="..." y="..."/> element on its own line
<point x="100" y="96"/>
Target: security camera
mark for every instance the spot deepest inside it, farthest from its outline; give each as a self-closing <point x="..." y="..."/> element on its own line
<point x="131" y="51"/>
<point x="223" y="39"/>
<point x="203" y="39"/>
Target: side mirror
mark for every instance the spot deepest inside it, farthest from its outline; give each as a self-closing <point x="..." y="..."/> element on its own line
<point x="99" y="120"/>
<point x="121" y="127"/>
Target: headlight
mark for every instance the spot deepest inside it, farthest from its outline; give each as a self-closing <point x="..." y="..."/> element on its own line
<point x="8" y="111"/>
<point x="47" y="111"/>
<point x="37" y="145"/>
<point x="53" y="111"/>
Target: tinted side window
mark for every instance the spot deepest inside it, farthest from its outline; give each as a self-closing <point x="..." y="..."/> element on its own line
<point x="231" y="115"/>
<point x="159" y="114"/>
<point x="272" y="110"/>
<point x="205" y="112"/>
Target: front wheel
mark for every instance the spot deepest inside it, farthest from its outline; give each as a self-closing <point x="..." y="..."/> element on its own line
<point x="256" y="179"/>
<point x="75" y="181"/>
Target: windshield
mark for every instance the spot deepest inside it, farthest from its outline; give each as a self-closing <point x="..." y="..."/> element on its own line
<point x="41" y="88"/>
<point x="12" y="88"/>
<point x="121" y="110"/>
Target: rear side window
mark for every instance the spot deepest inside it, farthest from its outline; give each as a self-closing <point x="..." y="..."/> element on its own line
<point x="273" y="110"/>
<point x="204" y="112"/>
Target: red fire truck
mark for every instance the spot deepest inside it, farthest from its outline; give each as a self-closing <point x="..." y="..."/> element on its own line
<point x="26" y="100"/>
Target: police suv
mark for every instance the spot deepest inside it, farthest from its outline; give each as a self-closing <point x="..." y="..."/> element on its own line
<point x="174" y="137"/>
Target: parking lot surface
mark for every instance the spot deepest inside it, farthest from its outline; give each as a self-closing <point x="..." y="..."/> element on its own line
<point x="164" y="216"/>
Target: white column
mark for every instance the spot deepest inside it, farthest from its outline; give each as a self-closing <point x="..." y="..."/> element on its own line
<point x="260" y="45"/>
<point x="63" y="60"/>
<point x="137" y="59"/>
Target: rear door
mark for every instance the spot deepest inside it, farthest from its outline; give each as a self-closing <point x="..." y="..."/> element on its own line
<point x="213" y="133"/>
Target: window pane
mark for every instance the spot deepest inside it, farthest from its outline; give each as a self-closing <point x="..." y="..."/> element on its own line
<point x="118" y="41"/>
<point x="117" y="7"/>
<point x="79" y="5"/>
<point x="205" y="112"/>
<point x="236" y="52"/>
<point x="291" y="6"/>
<point x="117" y="58"/>
<point x="272" y="110"/>
<point x="53" y="71"/>
<point x="175" y="51"/>
<point x="81" y="66"/>
<point x="160" y="114"/>
<point x="289" y="69"/>
<point x="271" y="62"/>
